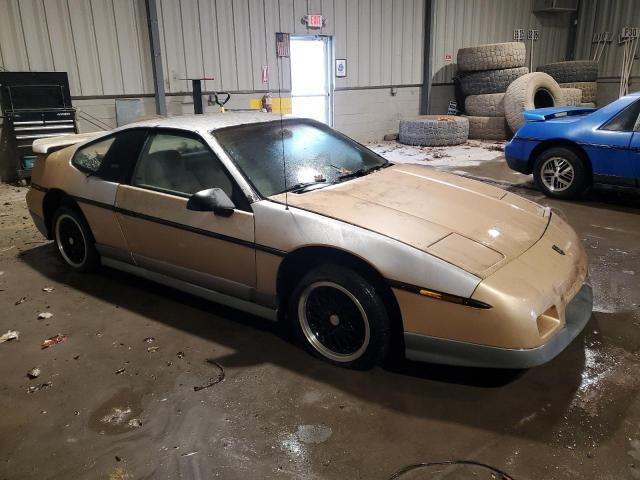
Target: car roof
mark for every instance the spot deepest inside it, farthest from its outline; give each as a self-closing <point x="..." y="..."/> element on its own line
<point x="205" y="122"/>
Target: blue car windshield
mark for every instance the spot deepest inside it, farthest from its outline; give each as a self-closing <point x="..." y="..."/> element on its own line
<point x="313" y="154"/>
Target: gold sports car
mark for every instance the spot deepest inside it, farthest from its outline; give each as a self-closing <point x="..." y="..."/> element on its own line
<point x="290" y="220"/>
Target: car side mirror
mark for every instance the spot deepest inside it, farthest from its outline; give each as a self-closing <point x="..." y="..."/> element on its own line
<point x="211" y="200"/>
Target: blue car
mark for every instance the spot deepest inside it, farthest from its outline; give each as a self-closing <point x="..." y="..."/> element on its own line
<point x="569" y="148"/>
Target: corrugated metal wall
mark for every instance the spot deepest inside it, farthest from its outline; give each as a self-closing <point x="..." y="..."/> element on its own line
<point x="104" y="44"/>
<point x="599" y="16"/>
<point x="81" y="38"/>
<point x="231" y="40"/>
<point x="462" y="23"/>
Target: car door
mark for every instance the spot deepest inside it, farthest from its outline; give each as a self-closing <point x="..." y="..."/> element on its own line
<point x="635" y="151"/>
<point x="612" y="156"/>
<point x="201" y="248"/>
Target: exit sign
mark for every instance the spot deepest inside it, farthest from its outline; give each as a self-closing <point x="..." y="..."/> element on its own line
<point x="314" y="21"/>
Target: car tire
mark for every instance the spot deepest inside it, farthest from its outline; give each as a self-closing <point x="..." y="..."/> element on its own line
<point x="554" y="161"/>
<point x="338" y="316"/>
<point x="488" y="128"/>
<point x="531" y="91"/>
<point x="434" y="130"/>
<point x="490" y="81"/>
<point x="74" y="240"/>
<point x="492" y="57"/>
<point x="572" y="71"/>
<point x="489" y="105"/>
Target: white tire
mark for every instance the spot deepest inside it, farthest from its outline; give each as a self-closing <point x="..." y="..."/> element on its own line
<point x="434" y="130"/>
<point x="531" y="91"/>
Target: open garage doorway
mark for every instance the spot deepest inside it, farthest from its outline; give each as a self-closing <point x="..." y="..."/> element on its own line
<point x="311" y="81"/>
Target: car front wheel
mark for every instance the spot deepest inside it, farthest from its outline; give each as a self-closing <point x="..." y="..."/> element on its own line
<point x="340" y="318"/>
<point x="74" y="240"/>
<point x="560" y="173"/>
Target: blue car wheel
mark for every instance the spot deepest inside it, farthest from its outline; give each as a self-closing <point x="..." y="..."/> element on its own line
<point x="560" y="173"/>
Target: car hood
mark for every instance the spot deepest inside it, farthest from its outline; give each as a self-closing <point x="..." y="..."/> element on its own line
<point x="470" y="224"/>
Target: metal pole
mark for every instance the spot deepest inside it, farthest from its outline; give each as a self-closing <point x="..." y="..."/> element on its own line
<point x="156" y="57"/>
<point x="425" y="98"/>
<point x="197" y="96"/>
<point x="573" y="30"/>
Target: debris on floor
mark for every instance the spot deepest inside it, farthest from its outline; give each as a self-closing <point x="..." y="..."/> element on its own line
<point x="47" y="289"/>
<point x="45" y="315"/>
<point x="33" y="373"/>
<point x="149" y="339"/>
<point x="120" y="417"/>
<point x="22" y="300"/>
<point x="496" y="147"/>
<point x="180" y="354"/>
<point x="153" y="349"/>
<point x="53" y="341"/>
<point x="42" y="386"/>
<point x="135" y="423"/>
<point x="120" y="371"/>
<point x="10" y="335"/>
<point x="119" y="474"/>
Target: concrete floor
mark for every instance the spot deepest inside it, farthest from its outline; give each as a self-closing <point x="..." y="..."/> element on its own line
<point x="279" y="413"/>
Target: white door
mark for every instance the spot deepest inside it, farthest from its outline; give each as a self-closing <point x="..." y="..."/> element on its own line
<point x="311" y="77"/>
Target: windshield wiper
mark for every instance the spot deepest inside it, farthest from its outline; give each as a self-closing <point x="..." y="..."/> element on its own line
<point x="302" y="186"/>
<point x="361" y="172"/>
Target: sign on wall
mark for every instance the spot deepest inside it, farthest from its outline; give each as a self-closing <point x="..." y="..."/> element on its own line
<point x="341" y="67"/>
<point x="313" y="21"/>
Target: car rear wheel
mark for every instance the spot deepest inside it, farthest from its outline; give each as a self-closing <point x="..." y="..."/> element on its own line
<point x="339" y="317"/>
<point x="74" y="240"/>
<point x="560" y="173"/>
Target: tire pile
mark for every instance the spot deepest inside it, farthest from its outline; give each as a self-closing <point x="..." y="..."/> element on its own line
<point x="486" y="72"/>
<point x="578" y="74"/>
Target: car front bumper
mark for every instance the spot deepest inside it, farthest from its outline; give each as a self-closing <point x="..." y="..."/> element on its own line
<point x="451" y="352"/>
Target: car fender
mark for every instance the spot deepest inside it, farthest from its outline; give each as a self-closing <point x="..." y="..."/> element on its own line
<point x="284" y="229"/>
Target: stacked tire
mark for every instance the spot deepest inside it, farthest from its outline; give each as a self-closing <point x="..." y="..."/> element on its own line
<point x="580" y="74"/>
<point x="434" y="131"/>
<point x="486" y="71"/>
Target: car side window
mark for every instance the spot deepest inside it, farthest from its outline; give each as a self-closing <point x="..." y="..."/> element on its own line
<point x="89" y="159"/>
<point x="122" y="156"/>
<point x="625" y="121"/>
<point x="183" y="165"/>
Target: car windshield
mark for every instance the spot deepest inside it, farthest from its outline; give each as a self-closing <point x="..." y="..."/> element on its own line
<point x="314" y="155"/>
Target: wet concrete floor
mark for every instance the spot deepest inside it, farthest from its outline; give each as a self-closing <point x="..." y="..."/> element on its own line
<point x="121" y="403"/>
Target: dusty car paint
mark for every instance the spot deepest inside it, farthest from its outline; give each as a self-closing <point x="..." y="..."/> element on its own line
<point x="438" y="239"/>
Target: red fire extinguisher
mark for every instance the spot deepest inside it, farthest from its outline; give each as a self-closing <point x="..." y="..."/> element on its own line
<point x="267" y="103"/>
